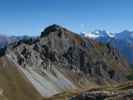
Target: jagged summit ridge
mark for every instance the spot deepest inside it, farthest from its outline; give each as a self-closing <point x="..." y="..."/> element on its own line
<point x="52" y="28"/>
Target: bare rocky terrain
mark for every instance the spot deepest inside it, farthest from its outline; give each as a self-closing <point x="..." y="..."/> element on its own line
<point x="61" y="61"/>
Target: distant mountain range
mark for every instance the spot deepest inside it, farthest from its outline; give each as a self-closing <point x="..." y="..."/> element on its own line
<point x="7" y="40"/>
<point x="123" y="41"/>
<point x="4" y="40"/>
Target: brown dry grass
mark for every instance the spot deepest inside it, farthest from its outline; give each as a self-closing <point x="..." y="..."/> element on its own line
<point x="14" y="84"/>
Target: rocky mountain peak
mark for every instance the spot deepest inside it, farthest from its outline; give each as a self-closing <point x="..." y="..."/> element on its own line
<point x="61" y="60"/>
<point x="52" y="29"/>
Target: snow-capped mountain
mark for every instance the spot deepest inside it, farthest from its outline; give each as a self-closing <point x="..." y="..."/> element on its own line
<point x="123" y="41"/>
<point x="99" y="33"/>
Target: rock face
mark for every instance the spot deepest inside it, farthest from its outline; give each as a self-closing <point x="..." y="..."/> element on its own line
<point x="60" y="60"/>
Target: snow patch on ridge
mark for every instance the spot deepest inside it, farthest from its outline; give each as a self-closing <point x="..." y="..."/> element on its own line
<point x="98" y="34"/>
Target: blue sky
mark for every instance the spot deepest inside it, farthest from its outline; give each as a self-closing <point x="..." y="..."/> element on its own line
<point x="30" y="17"/>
